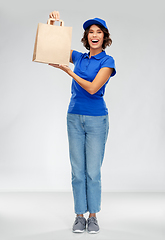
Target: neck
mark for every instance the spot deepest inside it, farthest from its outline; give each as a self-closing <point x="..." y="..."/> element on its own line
<point x="94" y="52"/>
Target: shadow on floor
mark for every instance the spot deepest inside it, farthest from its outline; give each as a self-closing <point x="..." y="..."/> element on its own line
<point x="67" y="234"/>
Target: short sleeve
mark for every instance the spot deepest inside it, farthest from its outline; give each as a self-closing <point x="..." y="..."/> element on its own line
<point x="109" y="62"/>
<point x="75" y="56"/>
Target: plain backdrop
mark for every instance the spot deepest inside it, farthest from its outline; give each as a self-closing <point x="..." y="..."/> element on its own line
<point x="34" y="97"/>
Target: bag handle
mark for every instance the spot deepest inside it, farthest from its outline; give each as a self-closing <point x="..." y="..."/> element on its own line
<point x="52" y="19"/>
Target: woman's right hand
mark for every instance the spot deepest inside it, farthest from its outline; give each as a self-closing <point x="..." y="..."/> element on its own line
<point x="55" y="15"/>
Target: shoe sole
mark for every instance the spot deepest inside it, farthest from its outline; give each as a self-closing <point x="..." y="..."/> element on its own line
<point x="78" y="231"/>
<point x="93" y="232"/>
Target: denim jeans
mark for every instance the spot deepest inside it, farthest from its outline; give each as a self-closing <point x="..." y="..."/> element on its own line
<point x="87" y="137"/>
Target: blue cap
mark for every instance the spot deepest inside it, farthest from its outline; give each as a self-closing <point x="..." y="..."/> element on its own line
<point x="98" y="21"/>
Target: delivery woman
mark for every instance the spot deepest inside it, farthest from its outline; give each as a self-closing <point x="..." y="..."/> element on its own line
<point x="87" y="120"/>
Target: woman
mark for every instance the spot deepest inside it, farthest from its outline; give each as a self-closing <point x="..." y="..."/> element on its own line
<point x="87" y="120"/>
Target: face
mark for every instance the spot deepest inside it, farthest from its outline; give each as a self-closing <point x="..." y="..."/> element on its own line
<point x="95" y="37"/>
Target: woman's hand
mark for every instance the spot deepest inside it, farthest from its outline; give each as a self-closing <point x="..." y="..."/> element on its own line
<point x="62" y="67"/>
<point x="55" y="15"/>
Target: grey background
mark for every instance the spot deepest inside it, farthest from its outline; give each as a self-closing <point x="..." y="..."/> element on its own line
<point x="34" y="97"/>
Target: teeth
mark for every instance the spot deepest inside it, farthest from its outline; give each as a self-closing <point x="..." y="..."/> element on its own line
<point x="94" y="41"/>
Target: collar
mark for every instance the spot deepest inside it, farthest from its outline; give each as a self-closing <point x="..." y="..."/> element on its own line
<point x="97" y="56"/>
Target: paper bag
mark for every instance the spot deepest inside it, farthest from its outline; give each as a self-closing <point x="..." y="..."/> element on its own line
<point x="52" y="43"/>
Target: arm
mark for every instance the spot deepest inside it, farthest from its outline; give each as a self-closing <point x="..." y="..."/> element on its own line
<point x="100" y="79"/>
<point x="71" y="56"/>
<point x="91" y="87"/>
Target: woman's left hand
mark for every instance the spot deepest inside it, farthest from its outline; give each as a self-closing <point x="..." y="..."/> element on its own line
<point x="62" y="67"/>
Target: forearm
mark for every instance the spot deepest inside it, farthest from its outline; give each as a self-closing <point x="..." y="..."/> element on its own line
<point x="91" y="87"/>
<point x="88" y="86"/>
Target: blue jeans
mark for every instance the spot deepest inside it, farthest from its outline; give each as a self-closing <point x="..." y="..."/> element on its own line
<point x="87" y="136"/>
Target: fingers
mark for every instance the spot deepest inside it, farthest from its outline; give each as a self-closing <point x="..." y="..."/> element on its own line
<point x="54" y="65"/>
<point x="65" y="68"/>
<point x="55" y="15"/>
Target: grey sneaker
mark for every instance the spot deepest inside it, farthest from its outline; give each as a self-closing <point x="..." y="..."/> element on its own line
<point x="79" y="225"/>
<point x="92" y="225"/>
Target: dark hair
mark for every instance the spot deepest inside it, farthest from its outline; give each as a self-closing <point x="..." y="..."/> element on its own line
<point x="107" y="40"/>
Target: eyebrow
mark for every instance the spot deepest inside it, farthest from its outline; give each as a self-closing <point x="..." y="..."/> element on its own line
<point x="96" y="30"/>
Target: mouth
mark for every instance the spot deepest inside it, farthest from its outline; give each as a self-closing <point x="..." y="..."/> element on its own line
<point x="95" y="41"/>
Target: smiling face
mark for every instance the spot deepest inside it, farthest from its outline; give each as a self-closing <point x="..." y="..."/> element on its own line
<point x="95" y="37"/>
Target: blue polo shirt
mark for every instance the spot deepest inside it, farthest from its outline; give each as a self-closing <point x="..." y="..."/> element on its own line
<point x="81" y="101"/>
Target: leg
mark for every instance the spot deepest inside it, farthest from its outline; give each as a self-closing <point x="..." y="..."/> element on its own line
<point x="92" y="215"/>
<point x="76" y="137"/>
<point x="96" y="135"/>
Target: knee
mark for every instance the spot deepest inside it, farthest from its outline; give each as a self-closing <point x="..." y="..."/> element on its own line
<point x="93" y="175"/>
<point x="78" y="176"/>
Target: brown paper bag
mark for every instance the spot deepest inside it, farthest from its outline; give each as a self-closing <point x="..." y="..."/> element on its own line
<point x="52" y="43"/>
